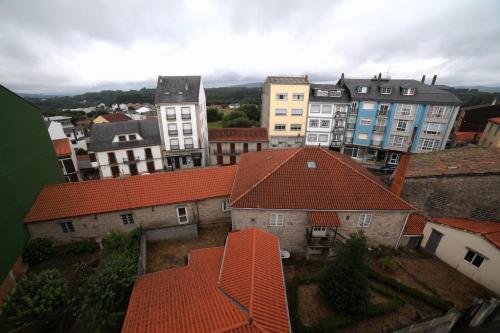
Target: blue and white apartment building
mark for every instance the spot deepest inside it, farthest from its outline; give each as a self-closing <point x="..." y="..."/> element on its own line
<point x="383" y="114"/>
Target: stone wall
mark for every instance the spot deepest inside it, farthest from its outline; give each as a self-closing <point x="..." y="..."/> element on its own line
<point x="90" y="226"/>
<point x="462" y="194"/>
<point x="188" y="231"/>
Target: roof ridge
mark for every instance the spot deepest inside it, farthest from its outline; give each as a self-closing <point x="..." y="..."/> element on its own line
<point x="266" y="176"/>
<point x="368" y="178"/>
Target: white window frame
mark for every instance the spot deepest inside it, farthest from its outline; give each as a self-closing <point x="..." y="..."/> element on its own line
<point x="67" y="227"/>
<point x="171" y="143"/>
<point x="324" y="123"/>
<point x="433" y="128"/>
<point x="365" y="121"/>
<point x="408" y="91"/>
<point x="475" y="255"/>
<point x="406" y="110"/>
<point x="364" y="220"/>
<point x="280" y="112"/>
<point x="297" y="112"/>
<point x="393" y="158"/>
<point x="314" y="106"/>
<point x="326" y="106"/>
<point x="396" y="142"/>
<point x="321" y="93"/>
<point x="280" y="125"/>
<point x="324" y="136"/>
<point x="312" y="137"/>
<point x="335" y="93"/>
<point x="314" y="123"/>
<point x="439" y="112"/>
<point x="180" y="217"/>
<point x="225" y="205"/>
<point x="385" y="91"/>
<point x="296" y="127"/>
<point x="281" y="96"/>
<point x="402" y="126"/>
<point x="362" y="89"/>
<point x="297" y="97"/>
<point x="170" y="112"/>
<point x="277" y="220"/>
<point x="188" y="141"/>
<point x="127" y="218"/>
<point x="429" y="144"/>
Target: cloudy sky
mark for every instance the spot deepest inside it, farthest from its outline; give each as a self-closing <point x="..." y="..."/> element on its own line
<point x="64" y="46"/>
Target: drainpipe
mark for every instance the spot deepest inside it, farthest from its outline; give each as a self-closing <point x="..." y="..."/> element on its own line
<point x="402" y="230"/>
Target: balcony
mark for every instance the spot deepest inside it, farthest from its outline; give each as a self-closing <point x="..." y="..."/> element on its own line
<point x="323" y="241"/>
<point x="379" y="129"/>
<point x="351" y="126"/>
<point x="338" y="129"/>
<point x="341" y="114"/>
<point x="348" y="140"/>
<point x="336" y="144"/>
<point x="173" y="133"/>
<point x="188" y="146"/>
<point x="376" y="143"/>
<point x="383" y="114"/>
<point x="174" y="147"/>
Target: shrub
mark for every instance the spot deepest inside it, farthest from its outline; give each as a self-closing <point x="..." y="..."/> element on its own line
<point x="36" y="296"/>
<point x="116" y="240"/>
<point x="213" y="115"/>
<point x="387" y="263"/>
<point x="381" y="251"/>
<point x="344" y="281"/>
<point x="37" y="250"/>
<point x="84" y="246"/>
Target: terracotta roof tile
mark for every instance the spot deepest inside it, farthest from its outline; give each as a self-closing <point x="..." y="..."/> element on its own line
<point x="237" y="134"/>
<point x="108" y="195"/>
<point x="489" y="230"/>
<point x="281" y="179"/>
<point x="62" y="147"/>
<point x="495" y="120"/>
<point x="415" y="225"/>
<point x="464" y="137"/>
<point x="324" y="219"/>
<point x="113" y="117"/>
<point x="82" y="157"/>
<point x="194" y="299"/>
<point x="457" y="161"/>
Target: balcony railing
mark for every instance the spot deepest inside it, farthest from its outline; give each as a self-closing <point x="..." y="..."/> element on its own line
<point x="188" y="146"/>
<point x="382" y="114"/>
<point x="173" y="133"/>
<point x="341" y="114"/>
<point x="379" y="129"/>
<point x="326" y="241"/>
<point x="351" y="125"/>
<point x="336" y="144"/>
<point x="174" y="147"/>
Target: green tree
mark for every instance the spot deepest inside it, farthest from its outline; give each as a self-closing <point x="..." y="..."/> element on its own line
<point x="251" y="110"/>
<point x="344" y="281"/>
<point x="36" y="296"/>
<point x="234" y="115"/>
<point x="238" y="122"/>
<point x="213" y="115"/>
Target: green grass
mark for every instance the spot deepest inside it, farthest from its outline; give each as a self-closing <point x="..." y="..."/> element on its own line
<point x="215" y="124"/>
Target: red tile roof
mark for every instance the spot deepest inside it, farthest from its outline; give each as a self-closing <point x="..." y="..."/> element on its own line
<point x="113" y="117"/>
<point x="324" y="219"/>
<point x="281" y="179"/>
<point x="236" y="289"/>
<point x="495" y="120"/>
<point x="82" y="157"/>
<point x="489" y="230"/>
<point x="108" y="195"/>
<point x="237" y="134"/>
<point x="415" y="225"/>
<point x="62" y="147"/>
<point x="464" y="137"/>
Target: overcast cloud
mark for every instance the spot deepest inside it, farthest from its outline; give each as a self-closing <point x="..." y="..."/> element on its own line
<point x="49" y="46"/>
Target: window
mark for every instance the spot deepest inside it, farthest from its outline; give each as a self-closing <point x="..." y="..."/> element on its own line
<point x="259" y="146"/>
<point x="474" y="258"/>
<point x="245" y="147"/>
<point x="279" y="127"/>
<point x="325" y="123"/>
<point x="276" y="220"/>
<point x="433" y="128"/>
<point x="280" y="112"/>
<point x="368" y="105"/>
<point x="335" y="93"/>
<point x="225" y="205"/>
<point x="297" y="112"/>
<point x="188" y="143"/>
<point x="127" y="219"/>
<point x="321" y="93"/>
<point x="281" y="96"/>
<point x="92" y="157"/>
<point x="172" y="129"/>
<point x="405" y="110"/>
<point x="182" y="216"/>
<point x="408" y="91"/>
<point x="363" y="136"/>
<point x="67" y="227"/>
<point x="386" y="91"/>
<point x="297" y="97"/>
<point x="398" y="141"/>
<point x="174" y="144"/>
<point x="111" y="158"/>
<point x="484" y="214"/>
<point x="365" y="121"/>
<point x="319" y="229"/>
<point x="393" y="158"/>
<point x="312" y="137"/>
<point x="313" y="123"/>
<point x="437" y="201"/>
<point x="362" y="89"/>
<point x="327" y="109"/>
<point x="132" y="137"/>
<point x="401" y="125"/>
<point x="340" y="123"/>
<point x="311" y="164"/>
<point x="364" y="220"/>
<point x="428" y="144"/>
<point x="295" y="127"/>
<point x="122" y="138"/>
<point x="439" y="112"/>
<point x="187" y="129"/>
<point x="351" y="151"/>
<point x="170" y="114"/>
<point x="384" y="110"/>
<point x="323" y="137"/>
<point x="185" y="113"/>
<point x="315" y="108"/>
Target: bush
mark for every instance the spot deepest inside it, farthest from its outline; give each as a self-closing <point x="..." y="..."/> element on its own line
<point x="84" y="246"/>
<point x="387" y="263"/>
<point x="116" y="240"/>
<point x="235" y="115"/>
<point x="81" y="151"/>
<point x="251" y="110"/>
<point x="37" y="250"/>
<point x="213" y="115"/>
<point x="238" y="122"/>
<point x="344" y="282"/>
<point x="36" y="296"/>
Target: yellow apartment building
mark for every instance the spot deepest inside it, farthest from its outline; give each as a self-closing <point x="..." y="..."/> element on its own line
<point x="491" y="134"/>
<point x="284" y="110"/>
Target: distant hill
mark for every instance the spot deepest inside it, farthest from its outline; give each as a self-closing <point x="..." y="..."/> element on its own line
<point x="481" y="88"/>
<point x="249" y="85"/>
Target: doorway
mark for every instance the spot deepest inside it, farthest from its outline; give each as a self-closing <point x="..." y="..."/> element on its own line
<point x="433" y="242"/>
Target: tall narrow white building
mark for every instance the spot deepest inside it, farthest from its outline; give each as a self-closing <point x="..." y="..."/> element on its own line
<point x="182" y="116"/>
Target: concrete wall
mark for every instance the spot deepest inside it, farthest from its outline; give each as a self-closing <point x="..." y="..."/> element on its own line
<point x="463" y="195"/>
<point x="384" y="229"/>
<point x="454" y="245"/>
<point x="203" y="212"/>
<point x="188" y="231"/>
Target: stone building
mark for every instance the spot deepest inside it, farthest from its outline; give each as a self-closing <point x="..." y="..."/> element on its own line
<point x="312" y="197"/>
<point x="226" y="144"/>
<point x="175" y="202"/>
<point x="491" y="134"/>
<point x="460" y="182"/>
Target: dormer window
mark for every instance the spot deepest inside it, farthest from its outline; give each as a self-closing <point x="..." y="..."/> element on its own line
<point x="386" y="90"/>
<point x="132" y="137"/>
<point x="362" y="89"/>
<point x="321" y="93"/>
<point x="408" y="91"/>
<point x="335" y="93"/>
<point x="122" y="138"/>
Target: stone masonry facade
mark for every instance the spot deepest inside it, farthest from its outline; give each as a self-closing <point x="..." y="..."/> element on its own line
<point x="458" y="196"/>
<point x="203" y="212"/>
<point x="384" y="229"/>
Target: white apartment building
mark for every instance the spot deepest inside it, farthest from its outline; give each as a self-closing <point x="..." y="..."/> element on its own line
<point x="182" y="117"/>
<point x="75" y="134"/>
<point x="126" y="148"/>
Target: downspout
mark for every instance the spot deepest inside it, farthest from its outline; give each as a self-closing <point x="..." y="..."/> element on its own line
<point x="402" y="230"/>
<point x="197" y="213"/>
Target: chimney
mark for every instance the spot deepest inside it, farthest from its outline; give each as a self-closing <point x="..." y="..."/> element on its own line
<point x="379" y="76"/>
<point x="306" y="78"/>
<point x="423" y="79"/>
<point x="434" y="80"/>
<point x="187" y="88"/>
<point x="342" y="80"/>
<point x="398" y="177"/>
<point x="494" y="101"/>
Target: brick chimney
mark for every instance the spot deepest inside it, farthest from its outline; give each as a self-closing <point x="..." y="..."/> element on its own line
<point x="306" y="78"/>
<point x="423" y="79"/>
<point x="398" y="178"/>
<point x="434" y="80"/>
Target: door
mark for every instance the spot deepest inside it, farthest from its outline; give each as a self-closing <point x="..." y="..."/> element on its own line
<point x="177" y="163"/>
<point x="151" y="166"/>
<point x="232" y="159"/>
<point x="433" y="242"/>
<point x="220" y="160"/>
<point x="115" y="171"/>
<point x="130" y="155"/>
<point x="133" y="169"/>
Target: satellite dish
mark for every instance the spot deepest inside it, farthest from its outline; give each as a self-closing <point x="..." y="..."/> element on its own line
<point x="284" y="254"/>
